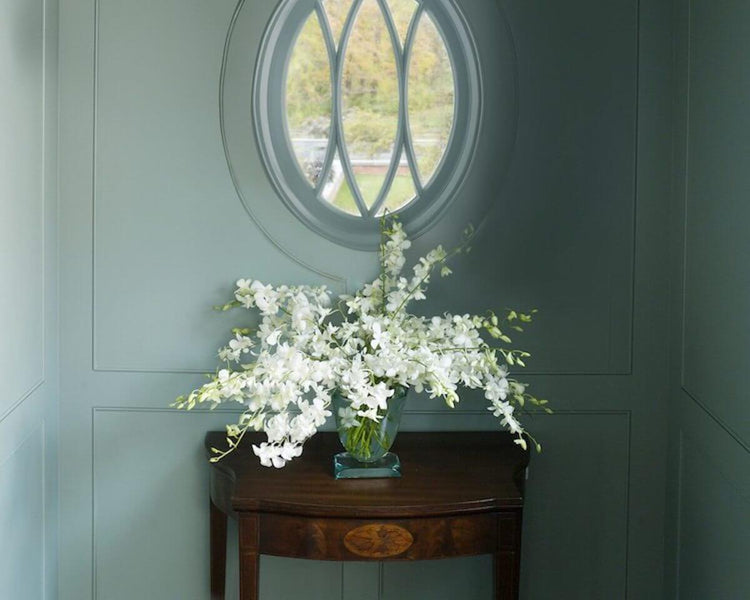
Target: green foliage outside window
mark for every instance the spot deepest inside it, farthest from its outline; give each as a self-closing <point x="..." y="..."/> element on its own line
<point x="370" y="83"/>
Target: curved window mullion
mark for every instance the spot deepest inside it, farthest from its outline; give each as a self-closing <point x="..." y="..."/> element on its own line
<point x="333" y="134"/>
<point x="398" y="142"/>
<point x="338" y="109"/>
<point x="411" y="156"/>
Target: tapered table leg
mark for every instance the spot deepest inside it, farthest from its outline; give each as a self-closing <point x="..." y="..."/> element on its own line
<point x="249" y="556"/>
<point x="507" y="558"/>
<point x="218" y="552"/>
<point x="249" y="571"/>
<point x="506" y="565"/>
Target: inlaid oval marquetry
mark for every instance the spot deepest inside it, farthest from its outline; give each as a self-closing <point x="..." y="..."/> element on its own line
<point x="378" y="541"/>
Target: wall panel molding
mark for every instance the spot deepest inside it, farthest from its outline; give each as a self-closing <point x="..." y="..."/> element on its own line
<point x="98" y="363"/>
<point x="171" y="476"/>
<point x="22" y="399"/>
<point x="139" y="421"/>
<point x="712" y="347"/>
<point x="596" y="445"/>
<point x="730" y="431"/>
<point x="713" y="516"/>
<point x="611" y="362"/>
<point x="96" y="509"/>
<point x="24" y="189"/>
<point x="29" y="512"/>
<point x="14" y="447"/>
<point x="626" y="482"/>
<point x="619" y="365"/>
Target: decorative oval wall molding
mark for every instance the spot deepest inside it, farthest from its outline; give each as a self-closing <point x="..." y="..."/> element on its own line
<point x="474" y="192"/>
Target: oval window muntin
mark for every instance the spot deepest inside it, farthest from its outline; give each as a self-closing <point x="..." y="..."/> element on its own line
<point x="343" y="46"/>
<point x="269" y="113"/>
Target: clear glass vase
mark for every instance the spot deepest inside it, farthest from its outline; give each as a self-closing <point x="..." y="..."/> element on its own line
<point x="367" y="442"/>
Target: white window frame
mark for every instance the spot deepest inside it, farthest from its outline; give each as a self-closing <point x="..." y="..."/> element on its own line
<point x="272" y="132"/>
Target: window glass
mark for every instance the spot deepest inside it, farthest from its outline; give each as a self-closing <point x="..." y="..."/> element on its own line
<point x="431" y="97"/>
<point x="336" y="12"/>
<point x="308" y="100"/>
<point x="402" y="12"/>
<point x="366" y="106"/>
<point x="370" y="100"/>
<point x="373" y="38"/>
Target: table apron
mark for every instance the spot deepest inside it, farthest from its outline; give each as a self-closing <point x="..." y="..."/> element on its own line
<point x="380" y="539"/>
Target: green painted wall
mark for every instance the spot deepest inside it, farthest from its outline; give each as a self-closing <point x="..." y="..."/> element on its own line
<point x="152" y="233"/>
<point x="28" y="299"/>
<point x="709" y="484"/>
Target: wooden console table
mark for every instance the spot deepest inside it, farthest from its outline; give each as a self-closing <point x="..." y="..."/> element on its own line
<point x="461" y="494"/>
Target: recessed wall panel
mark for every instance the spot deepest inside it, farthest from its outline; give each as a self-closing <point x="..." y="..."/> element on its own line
<point x="575" y="530"/>
<point x="717" y="279"/>
<point x="21" y="198"/>
<point x="22" y="520"/>
<point x="466" y="578"/>
<point x="714" y="501"/>
<point x="561" y="235"/>
<point x="170" y="234"/>
<point x="575" y="521"/>
<point x="151" y="512"/>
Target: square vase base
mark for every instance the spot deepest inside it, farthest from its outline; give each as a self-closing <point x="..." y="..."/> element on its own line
<point x="347" y="467"/>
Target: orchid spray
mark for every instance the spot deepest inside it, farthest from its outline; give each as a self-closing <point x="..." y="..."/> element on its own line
<point x="366" y="347"/>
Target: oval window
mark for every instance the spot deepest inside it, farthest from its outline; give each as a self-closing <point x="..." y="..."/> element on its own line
<point x="366" y="107"/>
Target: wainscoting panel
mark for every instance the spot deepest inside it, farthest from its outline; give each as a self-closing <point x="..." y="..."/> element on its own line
<point x="28" y="300"/>
<point x="169" y="230"/>
<point x="150" y="512"/>
<point x="708" y="521"/>
<point x="153" y="234"/>
<point x="717" y="247"/>
<point x="563" y="224"/>
<point x="21" y="199"/>
<point x="22" y="514"/>
<point x="714" y="512"/>
<point x="465" y="578"/>
<point x="575" y="538"/>
<point x="363" y="581"/>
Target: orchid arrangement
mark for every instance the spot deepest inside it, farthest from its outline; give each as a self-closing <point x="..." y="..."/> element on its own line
<point x="364" y="347"/>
